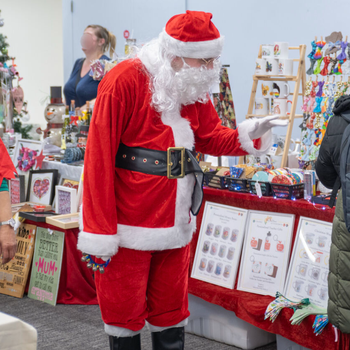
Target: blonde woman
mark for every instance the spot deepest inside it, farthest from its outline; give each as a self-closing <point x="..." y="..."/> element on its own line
<point x="95" y="42"/>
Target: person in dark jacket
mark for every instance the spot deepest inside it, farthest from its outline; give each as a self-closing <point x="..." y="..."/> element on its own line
<point x="327" y="168"/>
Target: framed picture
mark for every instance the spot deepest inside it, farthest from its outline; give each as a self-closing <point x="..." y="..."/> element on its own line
<point x="66" y="200"/>
<point x="309" y="266"/>
<point x="17" y="189"/>
<point x="25" y="153"/>
<point x="36" y="216"/>
<point x="266" y="252"/>
<point x="64" y="221"/>
<point x="41" y="186"/>
<point x="219" y="244"/>
<point x="69" y="182"/>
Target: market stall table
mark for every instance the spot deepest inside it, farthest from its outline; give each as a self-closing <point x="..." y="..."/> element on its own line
<point x="251" y="307"/>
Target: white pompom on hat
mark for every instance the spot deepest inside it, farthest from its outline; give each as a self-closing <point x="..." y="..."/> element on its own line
<point x="192" y="34"/>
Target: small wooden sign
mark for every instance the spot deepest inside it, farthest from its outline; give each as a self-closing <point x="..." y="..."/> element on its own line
<point x="14" y="274"/>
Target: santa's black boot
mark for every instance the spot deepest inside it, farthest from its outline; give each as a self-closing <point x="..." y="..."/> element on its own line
<point x="125" y="343"/>
<point x="169" y="339"/>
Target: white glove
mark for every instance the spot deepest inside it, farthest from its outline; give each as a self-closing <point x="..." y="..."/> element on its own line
<point x="104" y="258"/>
<point x="262" y="125"/>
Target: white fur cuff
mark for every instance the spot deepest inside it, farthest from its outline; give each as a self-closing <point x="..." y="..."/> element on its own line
<point x="97" y="244"/>
<point x="247" y="144"/>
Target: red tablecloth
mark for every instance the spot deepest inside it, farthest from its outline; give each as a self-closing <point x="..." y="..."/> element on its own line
<point x="77" y="284"/>
<point x="251" y="307"/>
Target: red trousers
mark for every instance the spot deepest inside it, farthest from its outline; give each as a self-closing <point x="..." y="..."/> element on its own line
<point x="144" y="285"/>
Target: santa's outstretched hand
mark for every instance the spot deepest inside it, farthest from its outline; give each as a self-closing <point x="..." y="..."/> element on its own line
<point x="262" y="125"/>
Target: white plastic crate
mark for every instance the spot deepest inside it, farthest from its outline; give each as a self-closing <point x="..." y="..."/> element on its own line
<point x="214" y="322"/>
<point x="286" y="344"/>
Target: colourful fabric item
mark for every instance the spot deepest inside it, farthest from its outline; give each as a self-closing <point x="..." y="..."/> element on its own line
<point x="318" y="53"/>
<point x="320" y="88"/>
<point x="313" y="90"/>
<point x="318" y="66"/>
<point x="338" y="70"/>
<point x="326" y="61"/>
<point x="333" y="47"/>
<point x="330" y="105"/>
<point x="332" y="64"/>
<point x="311" y="105"/>
<point x="308" y="88"/>
<point x="305" y="105"/>
<point x="317" y="109"/>
<point x="310" y="71"/>
<point x="312" y="53"/>
<point x="342" y="55"/>
<point x="4" y="186"/>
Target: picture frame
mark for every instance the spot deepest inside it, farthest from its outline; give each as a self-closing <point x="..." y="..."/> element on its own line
<point x="66" y="222"/>
<point x="309" y="266"/>
<point x="36" y="216"/>
<point x="36" y="146"/>
<point x="17" y="189"/>
<point x="219" y="244"/>
<point x="65" y="200"/>
<point x="70" y="182"/>
<point x="41" y="186"/>
<point x="266" y="252"/>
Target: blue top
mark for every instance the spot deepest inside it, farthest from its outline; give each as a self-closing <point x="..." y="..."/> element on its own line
<point x="86" y="89"/>
<point x="4" y="186"/>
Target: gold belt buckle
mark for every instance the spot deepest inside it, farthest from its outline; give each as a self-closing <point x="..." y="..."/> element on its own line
<point x="170" y="164"/>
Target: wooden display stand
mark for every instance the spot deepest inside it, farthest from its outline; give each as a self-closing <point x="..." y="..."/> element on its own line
<point x="300" y="77"/>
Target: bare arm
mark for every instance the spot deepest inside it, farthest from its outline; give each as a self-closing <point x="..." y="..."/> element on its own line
<point x="8" y="243"/>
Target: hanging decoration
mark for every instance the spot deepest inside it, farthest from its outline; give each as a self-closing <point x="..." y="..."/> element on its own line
<point x="329" y="58"/>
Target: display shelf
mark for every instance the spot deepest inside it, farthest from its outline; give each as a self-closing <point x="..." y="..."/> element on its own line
<point x="300" y="81"/>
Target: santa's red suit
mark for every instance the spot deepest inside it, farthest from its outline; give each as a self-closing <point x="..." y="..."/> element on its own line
<point x="143" y="221"/>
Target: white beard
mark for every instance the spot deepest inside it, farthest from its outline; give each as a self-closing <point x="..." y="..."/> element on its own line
<point x="193" y="84"/>
<point x="171" y="89"/>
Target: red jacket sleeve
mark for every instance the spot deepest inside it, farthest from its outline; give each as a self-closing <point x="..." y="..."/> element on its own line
<point x="215" y="139"/>
<point x="98" y="235"/>
<point x="7" y="169"/>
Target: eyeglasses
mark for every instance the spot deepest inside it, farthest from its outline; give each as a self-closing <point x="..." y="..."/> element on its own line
<point x="207" y="61"/>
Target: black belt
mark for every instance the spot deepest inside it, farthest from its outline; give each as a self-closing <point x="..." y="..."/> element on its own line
<point x="174" y="163"/>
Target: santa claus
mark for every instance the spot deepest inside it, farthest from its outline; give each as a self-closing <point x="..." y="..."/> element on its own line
<point x="142" y="186"/>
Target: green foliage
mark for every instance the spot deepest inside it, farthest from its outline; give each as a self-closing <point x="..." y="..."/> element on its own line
<point x="18" y="126"/>
<point x="3" y="49"/>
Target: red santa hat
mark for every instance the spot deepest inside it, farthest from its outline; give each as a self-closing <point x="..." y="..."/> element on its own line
<point x="192" y="34"/>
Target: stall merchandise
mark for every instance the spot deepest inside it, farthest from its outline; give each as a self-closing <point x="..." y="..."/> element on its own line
<point x="252" y="309"/>
<point x="277" y="68"/>
<point x="328" y="58"/>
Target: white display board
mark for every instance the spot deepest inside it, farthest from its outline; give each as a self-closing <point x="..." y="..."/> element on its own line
<point x="309" y="266"/>
<point x="266" y="252"/>
<point x="219" y="244"/>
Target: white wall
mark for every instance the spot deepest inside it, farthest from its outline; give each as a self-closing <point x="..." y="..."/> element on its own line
<point x="143" y="19"/>
<point x="245" y="24"/>
<point x="34" y="32"/>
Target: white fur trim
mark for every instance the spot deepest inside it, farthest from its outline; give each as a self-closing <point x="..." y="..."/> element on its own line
<point x="198" y="49"/>
<point x="94" y="243"/>
<point x="97" y="244"/>
<point x="115" y="331"/>
<point x="160" y="329"/>
<point x="143" y="238"/>
<point x="247" y="144"/>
